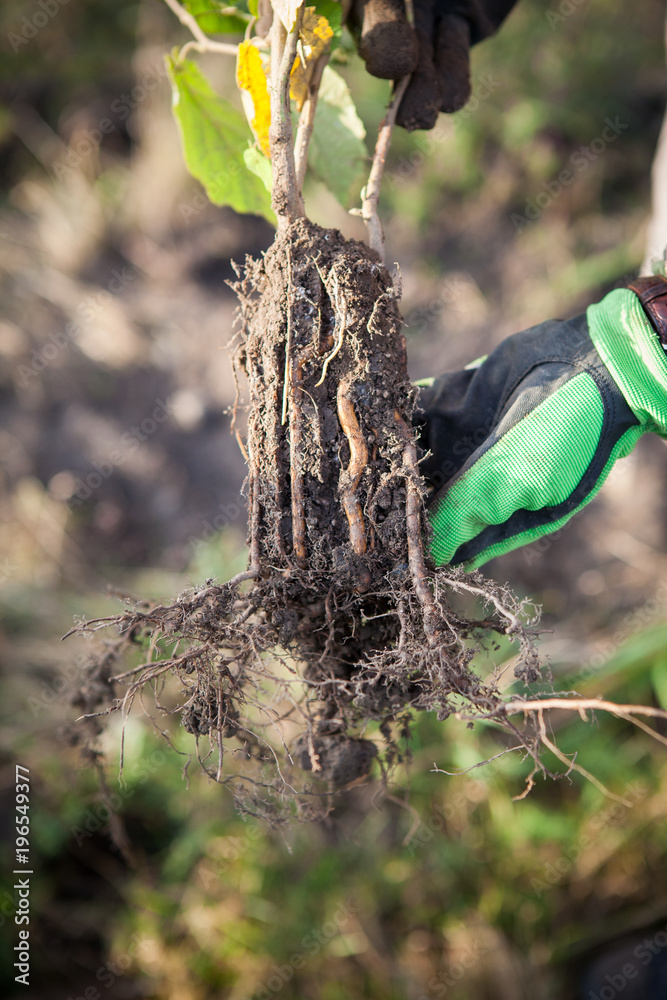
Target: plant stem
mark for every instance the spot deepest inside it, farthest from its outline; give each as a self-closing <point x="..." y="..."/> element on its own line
<point x="371" y="193"/>
<point x="203" y="43"/>
<point x="286" y="199"/>
<point x="307" y="120"/>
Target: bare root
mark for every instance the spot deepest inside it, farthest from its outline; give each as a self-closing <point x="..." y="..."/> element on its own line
<point x="350" y="477"/>
<point x="344" y="622"/>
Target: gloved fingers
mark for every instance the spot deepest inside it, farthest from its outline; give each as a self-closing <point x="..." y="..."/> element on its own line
<point x="421" y="101"/>
<point x="452" y="61"/>
<point x="386" y="41"/>
<point x="435" y="52"/>
<point x="532" y="471"/>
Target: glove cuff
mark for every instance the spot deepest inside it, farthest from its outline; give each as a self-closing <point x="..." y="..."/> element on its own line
<point x="652" y="292"/>
<point x="628" y="345"/>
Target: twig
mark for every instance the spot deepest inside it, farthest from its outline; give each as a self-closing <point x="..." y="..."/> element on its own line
<point x="307" y="119"/>
<point x="286" y="199"/>
<point x="203" y="42"/>
<point x="371" y="193"/>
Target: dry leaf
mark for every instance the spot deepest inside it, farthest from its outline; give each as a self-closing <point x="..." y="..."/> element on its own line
<point x="314" y="38"/>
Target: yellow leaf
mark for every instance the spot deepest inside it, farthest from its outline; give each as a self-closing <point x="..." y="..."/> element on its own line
<point x="251" y="77"/>
<point x="314" y="38"/>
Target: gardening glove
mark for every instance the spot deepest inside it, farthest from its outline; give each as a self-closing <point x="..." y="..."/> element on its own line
<point x="520" y="442"/>
<point x="435" y="51"/>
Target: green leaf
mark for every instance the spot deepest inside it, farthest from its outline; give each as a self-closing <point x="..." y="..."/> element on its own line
<point x="659" y="680"/>
<point x="212" y="21"/>
<point x="215" y="137"/>
<point x="333" y="11"/>
<point x="252" y="7"/>
<point x="337" y="149"/>
<point x="255" y="161"/>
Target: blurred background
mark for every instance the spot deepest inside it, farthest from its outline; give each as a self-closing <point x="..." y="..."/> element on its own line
<point x="120" y="476"/>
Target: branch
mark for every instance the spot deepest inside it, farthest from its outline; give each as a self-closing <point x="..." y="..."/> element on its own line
<point x="371" y="193"/>
<point x="203" y="42"/>
<point x="307" y="120"/>
<point x="286" y="198"/>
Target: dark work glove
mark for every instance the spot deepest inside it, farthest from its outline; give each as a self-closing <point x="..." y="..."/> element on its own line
<point x="525" y="439"/>
<point x="435" y="52"/>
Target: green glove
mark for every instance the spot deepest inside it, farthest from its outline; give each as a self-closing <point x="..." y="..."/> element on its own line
<point x="524" y="440"/>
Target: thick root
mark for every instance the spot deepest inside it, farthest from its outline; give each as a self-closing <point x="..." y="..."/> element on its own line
<point x="344" y="622"/>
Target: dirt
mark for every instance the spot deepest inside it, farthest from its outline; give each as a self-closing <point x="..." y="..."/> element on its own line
<point x="345" y="622"/>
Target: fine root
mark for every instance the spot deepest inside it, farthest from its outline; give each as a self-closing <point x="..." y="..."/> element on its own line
<point x="340" y="628"/>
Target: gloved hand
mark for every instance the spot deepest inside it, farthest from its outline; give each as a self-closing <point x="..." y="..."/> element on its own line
<point x="435" y="51"/>
<point x="525" y="439"/>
